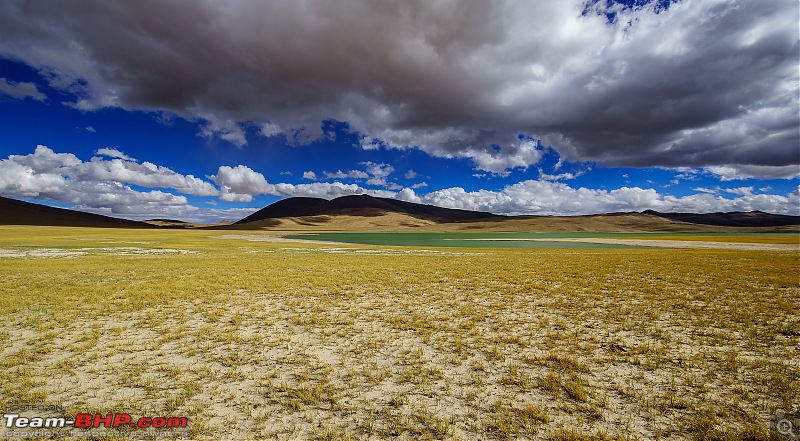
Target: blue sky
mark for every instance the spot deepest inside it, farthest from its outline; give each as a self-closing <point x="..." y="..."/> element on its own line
<point x="433" y="111"/>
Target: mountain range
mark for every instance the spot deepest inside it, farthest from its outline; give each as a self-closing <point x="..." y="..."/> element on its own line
<point x="367" y="212"/>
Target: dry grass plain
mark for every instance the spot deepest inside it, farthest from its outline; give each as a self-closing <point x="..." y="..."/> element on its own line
<point x="276" y="340"/>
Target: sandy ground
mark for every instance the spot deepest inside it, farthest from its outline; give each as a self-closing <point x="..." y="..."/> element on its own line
<point x="267" y="238"/>
<point x="21" y="252"/>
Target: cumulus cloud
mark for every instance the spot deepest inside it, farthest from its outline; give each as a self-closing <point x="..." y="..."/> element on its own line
<point x="21" y="91"/>
<point x="411" y="174"/>
<point x="408" y="195"/>
<point x="561" y="176"/>
<point x="698" y="84"/>
<point x="500" y="161"/>
<point x="378" y="173"/>
<point x="744" y="191"/>
<point x="241" y="183"/>
<point x="352" y="174"/>
<point x="113" y="153"/>
<point x="375" y="174"/>
<point x="310" y="175"/>
<point x="97" y="184"/>
<point x="555" y="198"/>
<point x="145" y="174"/>
<point x="58" y="177"/>
<point x="707" y="190"/>
<point x="328" y="190"/>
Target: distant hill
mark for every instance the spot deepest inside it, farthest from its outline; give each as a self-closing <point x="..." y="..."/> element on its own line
<point x="367" y="213"/>
<point x="14" y="212"/>
<point x="283" y="208"/>
<point x="731" y="219"/>
<point x="362" y="205"/>
<point x="170" y="223"/>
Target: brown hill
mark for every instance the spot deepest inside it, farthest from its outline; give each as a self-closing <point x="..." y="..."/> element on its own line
<point x="366" y="213"/>
<point x="14" y="212"/>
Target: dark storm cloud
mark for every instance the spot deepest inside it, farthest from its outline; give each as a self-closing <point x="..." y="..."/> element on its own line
<point x="702" y="83"/>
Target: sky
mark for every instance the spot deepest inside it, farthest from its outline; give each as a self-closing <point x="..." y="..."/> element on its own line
<point x="202" y="110"/>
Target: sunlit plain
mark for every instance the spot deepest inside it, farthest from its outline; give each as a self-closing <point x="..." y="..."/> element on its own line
<point x="272" y="339"/>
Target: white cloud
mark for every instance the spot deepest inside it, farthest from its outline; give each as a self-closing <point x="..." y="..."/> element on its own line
<point x="744" y="191"/>
<point x="50" y="176"/>
<point x="686" y="173"/>
<point x="411" y="174"/>
<point x="707" y="190"/>
<point x="21" y="90"/>
<point x="241" y="183"/>
<point x="62" y="177"/>
<point x="44" y="160"/>
<point x="32" y="176"/>
<point x="227" y="195"/>
<point x="420" y="185"/>
<point x="90" y="129"/>
<point x="378" y="173"/>
<point x="328" y="190"/>
<point x="543" y="197"/>
<point x="145" y="174"/>
<point x="559" y="177"/>
<point x="310" y="175"/>
<point x="113" y="153"/>
<point x="352" y="174"/>
<point x="513" y="156"/>
<point x="121" y="199"/>
<point x="408" y="195"/>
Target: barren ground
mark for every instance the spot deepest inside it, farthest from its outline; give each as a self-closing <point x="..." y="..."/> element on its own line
<point x="277" y="340"/>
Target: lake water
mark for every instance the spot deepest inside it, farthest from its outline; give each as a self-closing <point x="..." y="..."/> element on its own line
<point x="491" y="239"/>
<point x="464" y="240"/>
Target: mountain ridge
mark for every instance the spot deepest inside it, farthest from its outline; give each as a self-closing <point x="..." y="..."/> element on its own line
<point x="16" y="212"/>
<point x="346" y="210"/>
